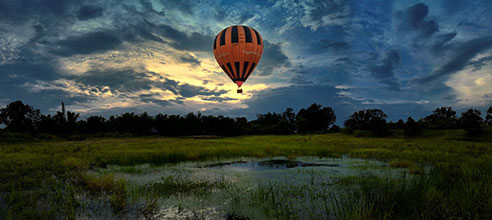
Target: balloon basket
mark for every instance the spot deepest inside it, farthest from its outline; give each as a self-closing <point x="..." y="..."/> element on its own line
<point x="239" y="90"/>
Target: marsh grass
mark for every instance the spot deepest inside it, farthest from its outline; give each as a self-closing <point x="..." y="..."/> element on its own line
<point x="115" y="189"/>
<point x="42" y="179"/>
<point x="401" y="163"/>
<point x="453" y="191"/>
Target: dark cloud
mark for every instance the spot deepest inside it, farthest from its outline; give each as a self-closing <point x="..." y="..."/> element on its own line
<point x="190" y="42"/>
<point x="343" y="60"/>
<point x="454" y="6"/>
<point x="123" y="80"/>
<point x="478" y="64"/>
<point x="148" y="95"/>
<point x="334" y="45"/>
<point x="415" y="18"/>
<point x="487" y="97"/>
<point x="39" y="28"/>
<point x="219" y="99"/>
<point x="87" y="44"/>
<point x="128" y="80"/>
<point x="346" y="66"/>
<point x="460" y="58"/>
<point x="441" y="43"/>
<point x="18" y="80"/>
<point x="469" y="24"/>
<point x="272" y="58"/>
<point x="18" y="8"/>
<point x="300" y="80"/>
<point x="337" y="12"/>
<point x="450" y="98"/>
<point x="150" y="98"/>
<point x="25" y="88"/>
<point x="88" y="11"/>
<point x="181" y="5"/>
<point x="325" y="7"/>
<point x="188" y="91"/>
<point x="48" y="93"/>
<point x="143" y="31"/>
<point x="98" y="40"/>
<point x="3" y="9"/>
<point x="189" y="59"/>
<point x="385" y="71"/>
<point x="43" y="69"/>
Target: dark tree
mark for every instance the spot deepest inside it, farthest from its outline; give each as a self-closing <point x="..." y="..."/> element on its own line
<point x="370" y="119"/>
<point x="315" y="119"/>
<point x="472" y="121"/>
<point x="95" y="124"/>
<point x="161" y="124"/>
<point x="411" y="127"/>
<point x="290" y="117"/>
<point x="193" y="123"/>
<point x="269" y="123"/>
<point x="48" y="124"/>
<point x="335" y="128"/>
<point x="241" y="127"/>
<point x="488" y="118"/>
<point x="176" y="126"/>
<point x="20" y="117"/>
<point x="442" y="118"/>
<point x="272" y="123"/>
<point x="400" y="124"/>
<point x="71" y="122"/>
<point x="61" y="123"/>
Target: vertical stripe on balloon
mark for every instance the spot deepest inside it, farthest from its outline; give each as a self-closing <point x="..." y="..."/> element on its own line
<point x="222" y="37"/>
<point x="258" y="38"/>
<point x="237" y="69"/>
<point x="244" y="70"/>
<point x="251" y="69"/>
<point x="231" y="70"/>
<point x="235" y="35"/>
<point x="227" y="72"/>
<point x="247" y="32"/>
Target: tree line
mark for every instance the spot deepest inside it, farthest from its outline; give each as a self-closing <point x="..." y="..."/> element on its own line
<point x="20" y="117"/>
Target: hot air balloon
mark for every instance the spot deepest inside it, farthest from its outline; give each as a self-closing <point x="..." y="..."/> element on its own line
<point x="238" y="50"/>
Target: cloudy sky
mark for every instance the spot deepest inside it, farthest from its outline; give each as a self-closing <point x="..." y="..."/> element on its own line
<point x="104" y="57"/>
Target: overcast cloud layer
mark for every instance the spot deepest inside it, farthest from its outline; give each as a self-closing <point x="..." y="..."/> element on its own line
<point x="110" y="57"/>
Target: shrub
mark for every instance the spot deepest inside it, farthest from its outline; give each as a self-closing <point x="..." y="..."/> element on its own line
<point x="472" y="121"/>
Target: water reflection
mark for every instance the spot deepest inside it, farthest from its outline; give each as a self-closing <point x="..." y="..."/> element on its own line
<point x="245" y="166"/>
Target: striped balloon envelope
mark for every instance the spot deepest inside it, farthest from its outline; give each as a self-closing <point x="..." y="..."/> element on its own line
<point x="238" y="50"/>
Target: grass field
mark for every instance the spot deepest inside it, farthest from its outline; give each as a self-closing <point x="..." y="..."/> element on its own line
<point x="45" y="179"/>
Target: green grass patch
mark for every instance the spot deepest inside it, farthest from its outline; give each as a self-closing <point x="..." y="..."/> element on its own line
<point x="401" y="163"/>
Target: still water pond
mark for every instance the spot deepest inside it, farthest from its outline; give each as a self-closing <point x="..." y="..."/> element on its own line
<point x="249" y="188"/>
